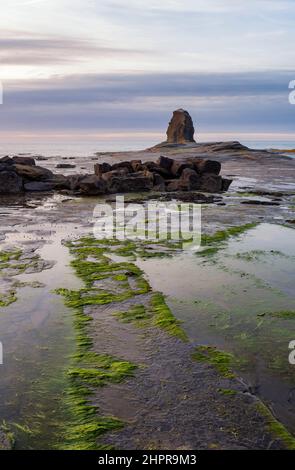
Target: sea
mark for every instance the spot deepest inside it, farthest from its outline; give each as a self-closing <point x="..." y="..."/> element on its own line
<point x="86" y="147"/>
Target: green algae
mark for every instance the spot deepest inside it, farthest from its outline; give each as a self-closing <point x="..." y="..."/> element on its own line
<point x="7" y="298"/>
<point x="287" y="314"/>
<point x="223" y="235"/>
<point x="135" y="314"/>
<point x="276" y="428"/>
<point x="220" y="360"/>
<point x="227" y="392"/>
<point x="5" y="430"/>
<point x="208" y="251"/>
<point x="164" y="318"/>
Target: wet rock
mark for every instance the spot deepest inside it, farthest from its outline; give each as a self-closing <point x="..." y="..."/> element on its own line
<point x="180" y="129"/>
<point x="189" y="180"/>
<point x="6" y="161"/>
<point x="126" y="165"/>
<point x="137" y="182"/>
<point x="10" y="182"/>
<point x="211" y="183"/>
<point x="207" y="166"/>
<point x="165" y="163"/>
<point x="30" y="172"/>
<point x="257" y="202"/>
<point x="39" y="186"/>
<point x="178" y="167"/>
<point x="92" y="185"/>
<point x="65" y="165"/>
<point x="225" y="184"/>
<point x="137" y="165"/>
<point x="159" y="183"/>
<point x="73" y="181"/>
<point x="24" y="160"/>
<point x="100" y="168"/>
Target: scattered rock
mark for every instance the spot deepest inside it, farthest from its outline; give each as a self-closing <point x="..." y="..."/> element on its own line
<point x="65" y="165"/>
<point x="24" y="160"/>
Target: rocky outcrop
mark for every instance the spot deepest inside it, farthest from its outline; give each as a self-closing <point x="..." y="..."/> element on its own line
<point x="165" y="174"/>
<point x="181" y="129"/>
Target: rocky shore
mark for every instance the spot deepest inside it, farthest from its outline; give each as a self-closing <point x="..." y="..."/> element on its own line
<point x="19" y="174"/>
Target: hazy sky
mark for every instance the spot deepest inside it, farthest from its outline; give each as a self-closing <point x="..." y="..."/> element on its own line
<point x="124" y="65"/>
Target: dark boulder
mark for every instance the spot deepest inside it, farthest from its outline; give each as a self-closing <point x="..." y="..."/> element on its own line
<point x="65" y="165"/>
<point x="159" y="183"/>
<point x="178" y="167"/>
<point x="137" y="182"/>
<point x="38" y="186"/>
<point x="137" y="165"/>
<point x="92" y="185"/>
<point x="10" y="182"/>
<point x="189" y="180"/>
<point x="225" y="184"/>
<point x="126" y="165"/>
<point x="30" y="172"/>
<point x="100" y="168"/>
<point x="165" y="162"/>
<point x="211" y="183"/>
<point x="24" y="160"/>
<point x="207" y="166"/>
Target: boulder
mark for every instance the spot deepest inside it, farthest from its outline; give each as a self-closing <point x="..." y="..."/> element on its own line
<point x="225" y="184"/>
<point x="172" y="185"/>
<point x="178" y="167"/>
<point x="207" y="166"/>
<point x="10" y="182"/>
<point x="6" y="161"/>
<point x="159" y="183"/>
<point x="37" y="186"/>
<point x="30" y="172"/>
<point x="137" y="165"/>
<point x="65" y="165"/>
<point x="165" y="162"/>
<point x="100" y="168"/>
<point x="211" y="183"/>
<point x="136" y="182"/>
<point x="24" y="160"/>
<point x="120" y="173"/>
<point x="181" y="129"/>
<point x="73" y="181"/>
<point x="126" y="165"/>
<point x="92" y="185"/>
<point x="189" y="180"/>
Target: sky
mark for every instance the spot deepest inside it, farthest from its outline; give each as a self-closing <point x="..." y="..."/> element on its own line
<point x="87" y="67"/>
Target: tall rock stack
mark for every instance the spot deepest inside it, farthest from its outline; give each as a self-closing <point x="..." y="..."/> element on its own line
<point x="181" y="128"/>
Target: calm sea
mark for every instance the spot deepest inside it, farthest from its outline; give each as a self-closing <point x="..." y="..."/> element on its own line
<point x="89" y="147"/>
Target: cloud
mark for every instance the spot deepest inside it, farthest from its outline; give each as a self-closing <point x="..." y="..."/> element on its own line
<point x="25" y="50"/>
<point x="218" y="102"/>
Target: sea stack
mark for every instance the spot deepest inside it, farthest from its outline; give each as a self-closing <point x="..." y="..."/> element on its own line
<point x="181" y="128"/>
